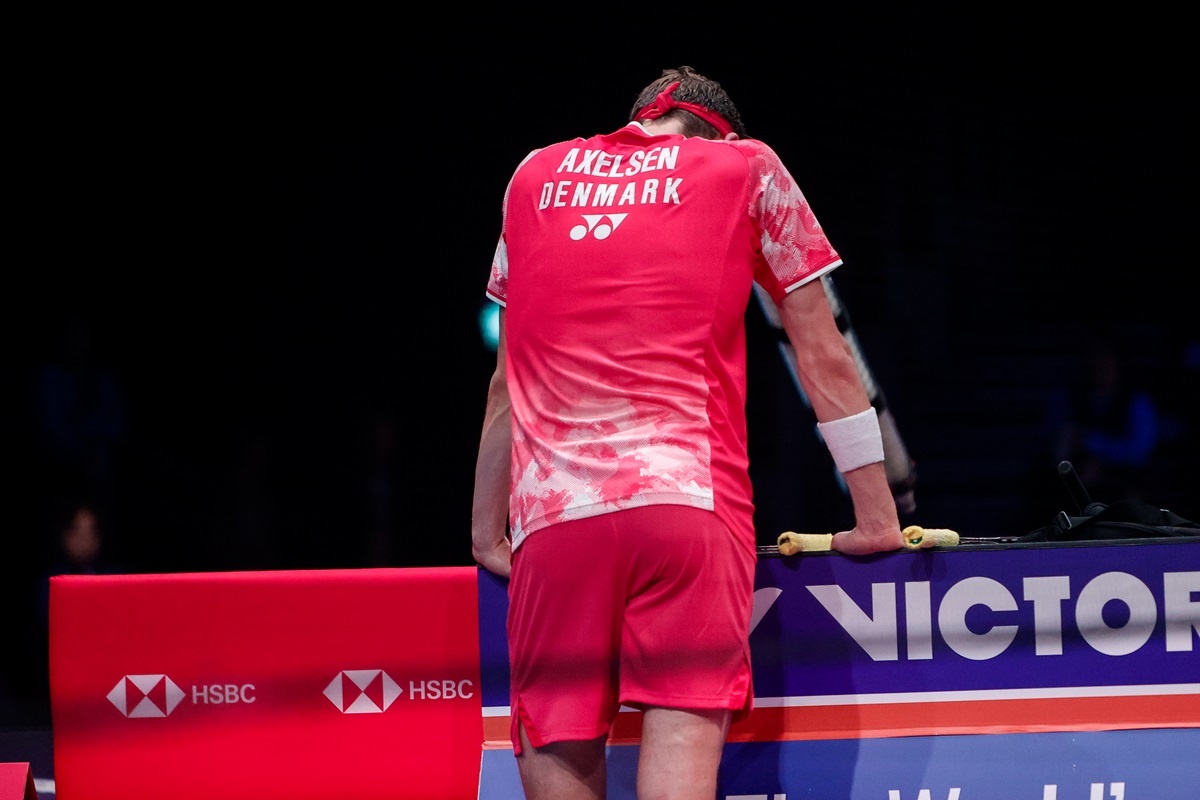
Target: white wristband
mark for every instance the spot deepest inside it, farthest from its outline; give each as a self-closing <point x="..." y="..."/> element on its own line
<point x="853" y="441"/>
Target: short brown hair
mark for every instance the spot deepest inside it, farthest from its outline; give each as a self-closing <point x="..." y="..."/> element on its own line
<point x="693" y="88"/>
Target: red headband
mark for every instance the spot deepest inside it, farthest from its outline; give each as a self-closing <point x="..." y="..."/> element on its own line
<point x="664" y="103"/>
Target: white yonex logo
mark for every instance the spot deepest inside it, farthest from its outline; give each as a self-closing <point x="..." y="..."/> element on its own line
<point x="600" y="231"/>
<point x="145" y="695"/>
<point x="362" y="691"/>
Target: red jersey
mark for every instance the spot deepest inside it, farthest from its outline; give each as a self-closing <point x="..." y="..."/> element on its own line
<point x="625" y="265"/>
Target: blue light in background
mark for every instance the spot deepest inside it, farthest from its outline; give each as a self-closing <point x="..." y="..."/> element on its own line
<point x="489" y="325"/>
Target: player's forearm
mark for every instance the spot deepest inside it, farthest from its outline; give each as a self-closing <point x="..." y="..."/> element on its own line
<point x="874" y="506"/>
<point x="830" y="379"/>
<point x="829" y="376"/>
<point x="490" y="501"/>
<point x="489" y="507"/>
<point x="824" y="364"/>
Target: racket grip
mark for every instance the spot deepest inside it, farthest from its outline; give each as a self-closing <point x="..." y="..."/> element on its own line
<point x="1075" y="487"/>
<point x="918" y="538"/>
<point x="790" y="543"/>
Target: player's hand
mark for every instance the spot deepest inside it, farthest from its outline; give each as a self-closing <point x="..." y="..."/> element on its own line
<point x="494" y="556"/>
<point x="861" y="542"/>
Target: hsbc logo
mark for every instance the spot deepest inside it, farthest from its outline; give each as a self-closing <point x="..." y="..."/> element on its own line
<point x="352" y="691"/>
<point x="145" y="695"/>
<point x="157" y="695"/>
<point x="362" y="691"/>
<point x="371" y="691"/>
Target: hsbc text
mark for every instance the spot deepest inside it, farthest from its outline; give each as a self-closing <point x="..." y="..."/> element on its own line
<point x="218" y="693"/>
<point x="439" y="690"/>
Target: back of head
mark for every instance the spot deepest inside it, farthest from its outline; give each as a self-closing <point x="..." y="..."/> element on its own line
<point x="695" y="89"/>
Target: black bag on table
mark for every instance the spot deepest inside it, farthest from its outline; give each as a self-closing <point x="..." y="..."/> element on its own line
<point x="1124" y="519"/>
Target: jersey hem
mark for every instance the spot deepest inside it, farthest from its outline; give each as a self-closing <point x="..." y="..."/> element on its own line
<point x="596" y="509"/>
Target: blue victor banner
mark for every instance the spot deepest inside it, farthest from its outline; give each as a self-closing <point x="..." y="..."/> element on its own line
<point x="1102" y="765"/>
<point x="1116" y="614"/>
<point x="1048" y="672"/>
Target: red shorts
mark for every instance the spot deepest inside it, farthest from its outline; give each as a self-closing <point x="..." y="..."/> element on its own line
<point x="644" y="607"/>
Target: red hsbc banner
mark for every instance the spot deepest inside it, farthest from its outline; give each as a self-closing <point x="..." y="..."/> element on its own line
<point x="296" y="684"/>
<point x="16" y="781"/>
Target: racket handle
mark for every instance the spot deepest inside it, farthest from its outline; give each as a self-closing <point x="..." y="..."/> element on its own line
<point x="1075" y="487"/>
<point x="917" y="538"/>
<point x="790" y="543"/>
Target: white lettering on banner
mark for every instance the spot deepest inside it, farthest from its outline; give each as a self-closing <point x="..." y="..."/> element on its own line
<point x="952" y="618"/>
<point x="876" y="635"/>
<point x="878" y="632"/>
<point x="920" y="627"/>
<point x="1047" y="595"/>
<point x="218" y="693"/>
<point x="440" y="690"/>
<point x="1136" y="596"/>
<point x="1116" y="791"/>
<point x="1181" y="598"/>
<point x="894" y="794"/>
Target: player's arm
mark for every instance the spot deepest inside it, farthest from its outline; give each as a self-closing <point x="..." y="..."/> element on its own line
<point x="829" y="377"/>
<point x="490" y="545"/>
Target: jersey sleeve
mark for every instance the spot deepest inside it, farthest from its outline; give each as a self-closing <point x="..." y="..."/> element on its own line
<point x="794" y="246"/>
<point x="497" y="287"/>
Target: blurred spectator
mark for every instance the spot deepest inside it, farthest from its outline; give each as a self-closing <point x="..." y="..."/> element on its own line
<point x="79" y="548"/>
<point x="76" y="545"/>
<point x="1107" y="423"/>
<point x="73" y="427"/>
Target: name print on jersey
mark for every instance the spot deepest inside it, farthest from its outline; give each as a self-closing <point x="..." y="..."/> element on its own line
<point x="598" y="163"/>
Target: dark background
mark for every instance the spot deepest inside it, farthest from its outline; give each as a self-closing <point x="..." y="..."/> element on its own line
<point x="278" y="239"/>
